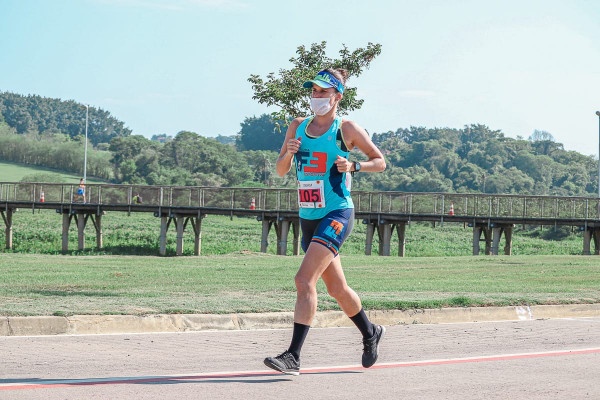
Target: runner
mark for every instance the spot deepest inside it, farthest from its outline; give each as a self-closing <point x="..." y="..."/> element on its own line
<point x="81" y="191"/>
<point x="320" y="146"/>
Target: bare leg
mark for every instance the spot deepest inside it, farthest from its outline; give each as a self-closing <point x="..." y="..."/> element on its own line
<point x="315" y="262"/>
<point x="335" y="280"/>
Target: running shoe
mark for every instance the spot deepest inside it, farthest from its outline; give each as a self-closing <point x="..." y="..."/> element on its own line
<point x="285" y="362"/>
<point x="371" y="347"/>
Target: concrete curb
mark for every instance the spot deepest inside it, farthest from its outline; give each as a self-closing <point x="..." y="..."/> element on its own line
<point x="110" y="324"/>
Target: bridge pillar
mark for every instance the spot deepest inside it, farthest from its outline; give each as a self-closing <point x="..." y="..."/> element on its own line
<point x="162" y="242"/>
<point x="479" y="229"/>
<point x="264" y="242"/>
<point x="492" y="234"/>
<point x="384" y="231"/>
<point x="590" y="234"/>
<point x="282" y="235"/>
<point x="197" y="225"/>
<point x="81" y="222"/>
<point x="180" y="223"/>
<point x="476" y="235"/>
<point x="8" y="223"/>
<point x="282" y="228"/>
<point x="401" y="231"/>
<point x="66" y="223"/>
<point x="98" y="225"/>
<point x="180" y="227"/>
<point x="508" y="230"/>
<point x="370" y="234"/>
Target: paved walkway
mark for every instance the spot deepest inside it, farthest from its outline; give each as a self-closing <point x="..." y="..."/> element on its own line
<point x="523" y="359"/>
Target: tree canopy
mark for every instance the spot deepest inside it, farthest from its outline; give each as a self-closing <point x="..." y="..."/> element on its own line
<point x="285" y="90"/>
<point x="50" y="116"/>
<point x="259" y="134"/>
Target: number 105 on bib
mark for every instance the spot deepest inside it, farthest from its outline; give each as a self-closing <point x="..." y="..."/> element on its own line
<point x="310" y="194"/>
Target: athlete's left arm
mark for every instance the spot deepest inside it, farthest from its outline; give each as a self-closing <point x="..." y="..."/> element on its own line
<point x="356" y="136"/>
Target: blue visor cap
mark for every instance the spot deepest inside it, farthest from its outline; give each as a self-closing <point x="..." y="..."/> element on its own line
<point x="325" y="80"/>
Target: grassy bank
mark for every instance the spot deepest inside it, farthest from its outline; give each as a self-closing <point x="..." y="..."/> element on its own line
<point x="250" y="282"/>
<point x="15" y="172"/>
<point x="127" y="277"/>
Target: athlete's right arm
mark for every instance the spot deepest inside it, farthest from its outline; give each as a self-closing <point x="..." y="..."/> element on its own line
<point x="288" y="149"/>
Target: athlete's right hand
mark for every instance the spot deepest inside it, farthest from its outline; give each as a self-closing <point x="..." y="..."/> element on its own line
<point x="293" y="145"/>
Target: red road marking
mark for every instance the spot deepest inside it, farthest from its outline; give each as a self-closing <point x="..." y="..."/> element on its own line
<point x="57" y="383"/>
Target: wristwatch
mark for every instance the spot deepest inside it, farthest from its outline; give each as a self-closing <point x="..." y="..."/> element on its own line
<point x="356" y="166"/>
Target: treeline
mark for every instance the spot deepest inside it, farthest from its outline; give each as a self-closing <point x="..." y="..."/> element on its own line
<point x="187" y="160"/>
<point x="478" y="159"/>
<point x="55" y="151"/>
<point x="472" y="159"/>
<point x="47" y="116"/>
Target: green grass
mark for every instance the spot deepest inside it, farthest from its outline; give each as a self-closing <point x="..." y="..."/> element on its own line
<point x="14" y="172"/>
<point x="127" y="277"/>
<point x="250" y="282"/>
<point x="40" y="232"/>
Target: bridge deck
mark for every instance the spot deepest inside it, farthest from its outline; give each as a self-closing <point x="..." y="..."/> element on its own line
<point x="383" y="212"/>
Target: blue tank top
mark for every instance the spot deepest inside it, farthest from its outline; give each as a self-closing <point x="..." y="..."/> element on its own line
<point x="321" y="187"/>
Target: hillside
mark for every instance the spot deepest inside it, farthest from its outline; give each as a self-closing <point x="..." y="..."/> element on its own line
<point x="475" y="159"/>
<point x="13" y="172"/>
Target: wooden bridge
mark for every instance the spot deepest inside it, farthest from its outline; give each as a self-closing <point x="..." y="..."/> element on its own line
<point x="491" y="216"/>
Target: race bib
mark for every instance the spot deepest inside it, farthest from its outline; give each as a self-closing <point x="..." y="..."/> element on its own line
<point x="311" y="194"/>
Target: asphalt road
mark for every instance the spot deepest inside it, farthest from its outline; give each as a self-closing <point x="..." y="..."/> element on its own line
<point x="530" y="359"/>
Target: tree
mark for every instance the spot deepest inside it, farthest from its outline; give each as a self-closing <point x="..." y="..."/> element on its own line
<point x="226" y="139"/>
<point x="286" y="91"/>
<point x="205" y="159"/>
<point x="543" y="143"/>
<point x="468" y="177"/>
<point x="126" y="151"/>
<point x="259" y="134"/>
<point x="263" y="164"/>
<point x="540" y="136"/>
<point x="49" y="116"/>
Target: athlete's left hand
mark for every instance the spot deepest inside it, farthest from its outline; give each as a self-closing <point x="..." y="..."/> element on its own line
<point x="343" y="165"/>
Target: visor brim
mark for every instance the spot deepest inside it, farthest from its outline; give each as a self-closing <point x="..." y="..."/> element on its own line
<point x="324" y="85"/>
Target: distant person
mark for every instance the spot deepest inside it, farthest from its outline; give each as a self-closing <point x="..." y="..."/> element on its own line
<point x="81" y="191"/>
<point x="137" y="199"/>
<point x="320" y="147"/>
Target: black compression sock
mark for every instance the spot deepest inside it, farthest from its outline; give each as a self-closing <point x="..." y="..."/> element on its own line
<point x="300" y="332"/>
<point x="363" y="324"/>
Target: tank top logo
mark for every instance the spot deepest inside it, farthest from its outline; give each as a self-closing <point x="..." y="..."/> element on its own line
<point x="312" y="164"/>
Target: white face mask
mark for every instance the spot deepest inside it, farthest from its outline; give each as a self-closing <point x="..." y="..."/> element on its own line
<point x="320" y="105"/>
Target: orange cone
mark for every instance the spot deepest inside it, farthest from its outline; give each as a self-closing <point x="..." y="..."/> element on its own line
<point x="42" y="199"/>
<point x="253" y="204"/>
<point x="451" y="212"/>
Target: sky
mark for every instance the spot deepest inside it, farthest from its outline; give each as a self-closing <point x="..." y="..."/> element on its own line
<point x="165" y="66"/>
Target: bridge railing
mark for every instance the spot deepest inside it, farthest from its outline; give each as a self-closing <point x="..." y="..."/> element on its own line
<point x="472" y="205"/>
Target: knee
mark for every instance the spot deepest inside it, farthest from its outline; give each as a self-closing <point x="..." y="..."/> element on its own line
<point x="303" y="285"/>
<point x="337" y="291"/>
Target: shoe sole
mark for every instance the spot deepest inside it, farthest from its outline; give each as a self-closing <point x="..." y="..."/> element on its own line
<point x="276" y="368"/>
